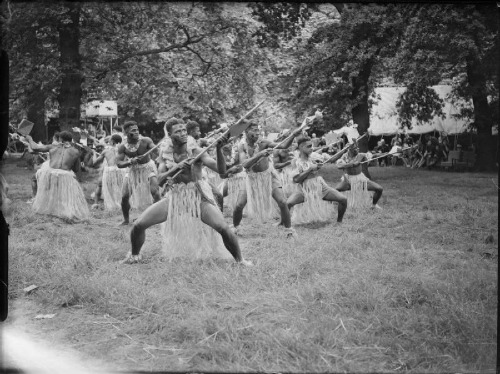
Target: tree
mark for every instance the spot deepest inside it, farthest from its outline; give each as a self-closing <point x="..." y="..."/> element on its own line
<point x="459" y="43"/>
<point x="194" y="59"/>
<point x="343" y="59"/>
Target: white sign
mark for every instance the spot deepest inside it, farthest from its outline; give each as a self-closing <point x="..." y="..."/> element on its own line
<point x="102" y="108"/>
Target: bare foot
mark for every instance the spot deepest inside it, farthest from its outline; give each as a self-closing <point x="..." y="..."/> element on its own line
<point x="132" y="259"/>
<point x="376" y="207"/>
<point x="291" y="233"/>
<point x="245" y="263"/>
<point x="124" y="223"/>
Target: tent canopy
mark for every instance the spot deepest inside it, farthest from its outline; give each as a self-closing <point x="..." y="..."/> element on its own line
<point x="384" y="117"/>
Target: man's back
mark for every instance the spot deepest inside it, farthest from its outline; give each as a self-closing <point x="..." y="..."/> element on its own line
<point x="63" y="157"/>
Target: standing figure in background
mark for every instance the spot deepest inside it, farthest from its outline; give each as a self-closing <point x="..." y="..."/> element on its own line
<point x="111" y="182"/>
<point x="59" y="193"/>
<point x="141" y="179"/>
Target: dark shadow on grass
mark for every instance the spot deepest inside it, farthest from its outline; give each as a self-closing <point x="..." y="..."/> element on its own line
<point x="315" y="225"/>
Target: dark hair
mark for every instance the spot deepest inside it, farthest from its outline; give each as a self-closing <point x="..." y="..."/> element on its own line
<point x="117" y="139"/>
<point x="57" y="135"/>
<point x="191" y="125"/>
<point x="127" y="125"/>
<point x="65" y="136"/>
<point x="118" y="128"/>
<point x="302" y="138"/>
<point x="252" y="124"/>
<point x="171" y="122"/>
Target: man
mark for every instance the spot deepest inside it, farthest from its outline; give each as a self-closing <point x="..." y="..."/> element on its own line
<point x="141" y="183"/>
<point x="59" y="193"/>
<point x="354" y="180"/>
<point x="188" y="201"/>
<point x="166" y="158"/>
<point x="111" y="182"/>
<point x="263" y="182"/>
<point x="313" y="190"/>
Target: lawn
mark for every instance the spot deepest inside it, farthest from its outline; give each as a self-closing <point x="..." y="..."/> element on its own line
<point x="410" y="288"/>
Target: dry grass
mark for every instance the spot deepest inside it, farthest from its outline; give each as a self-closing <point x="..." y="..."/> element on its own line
<point x="411" y="288"/>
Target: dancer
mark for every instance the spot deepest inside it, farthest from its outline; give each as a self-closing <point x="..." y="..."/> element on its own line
<point x="111" y="182"/>
<point x="58" y="192"/>
<point x="141" y="182"/>
<point x="354" y="180"/>
<point x="313" y="191"/>
<point x="188" y="201"/>
<point x="262" y="182"/>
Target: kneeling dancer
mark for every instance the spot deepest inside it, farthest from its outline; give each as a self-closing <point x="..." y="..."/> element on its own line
<point x="188" y="202"/>
<point x="355" y="181"/>
<point x="58" y="192"/>
<point x="312" y="191"/>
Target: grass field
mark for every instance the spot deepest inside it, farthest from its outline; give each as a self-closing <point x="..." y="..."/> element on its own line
<point x="410" y="288"/>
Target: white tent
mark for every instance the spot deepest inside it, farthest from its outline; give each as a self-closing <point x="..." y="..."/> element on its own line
<point x="384" y="117"/>
<point x="350" y="131"/>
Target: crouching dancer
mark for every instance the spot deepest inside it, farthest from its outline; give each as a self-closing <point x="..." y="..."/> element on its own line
<point x="312" y="192"/>
<point x="355" y="181"/>
<point x="188" y="201"/>
<point x="58" y="192"/>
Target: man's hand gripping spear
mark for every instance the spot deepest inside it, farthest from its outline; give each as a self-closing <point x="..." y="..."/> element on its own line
<point x="233" y="130"/>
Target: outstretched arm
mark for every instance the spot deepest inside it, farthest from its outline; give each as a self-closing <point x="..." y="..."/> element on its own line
<point x="37" y="147"/>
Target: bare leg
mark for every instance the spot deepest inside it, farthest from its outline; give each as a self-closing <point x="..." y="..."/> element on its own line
<point x="372" y="186"/>
<point x="241" y="202"/>
<point x="344" y="185"/>
<point x="155" y="190"/>
<point x="125" y="201"/>
<point x="154" y="214"/>
<point x="213" y="217"/>
<point x="294" y="199"/>
<point x="98" y="192"/>
<point x="279" y="197"/>
<point x="217" y="196"/>
<point x="34" y="185"/>
<point x="334" y="195"/>
<point x="225" y="189"/>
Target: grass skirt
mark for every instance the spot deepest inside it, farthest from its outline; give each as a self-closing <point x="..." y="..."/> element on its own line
<point x="213" y="177"/>
<point x="288" y="186"/>
<point x="358" y="196"/>
<point x="59" y="194"/>
<point x="112" y="183"/>
<point x="235" y="184"/>
<point x="260" y="202"/>
<point x="184" y="234"/>
<point x="138" y="184"/>
<point x="286" y="175"/>
<point x="314" y="208"/>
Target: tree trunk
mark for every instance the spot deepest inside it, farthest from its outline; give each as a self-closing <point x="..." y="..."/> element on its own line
<point x="486" y="144"/>
<point x="360" y="111"/>
<point x="36" y="113"/>
<point x="71" y="85"/>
